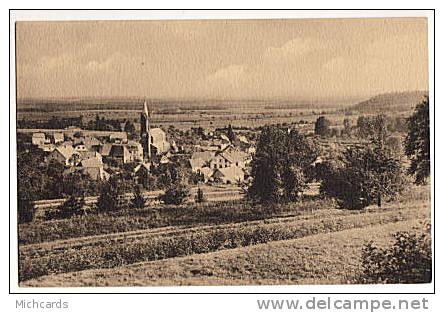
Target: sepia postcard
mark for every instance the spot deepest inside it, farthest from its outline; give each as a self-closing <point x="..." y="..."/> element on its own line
<point x="223" y="151"/>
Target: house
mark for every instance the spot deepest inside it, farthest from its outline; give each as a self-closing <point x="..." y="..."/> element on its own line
<point x="135" y="150"/>
<point x="228" y="175"/>
<point x="65" y="155"/>
<point x="118" y="137"/>
<point x="224" y="138"/>
<point x="228" y="157"/>
<point x="206" y="173"/>
<point x="120" y="153"/>
<point x="105" y="149"/>
<point x="125" y="153"/>
<point x="38" y="139"/>
<point x="90" y="154"/>
<point x="94" y="168"/>
<point x="142" y="173"/>
<point x="58" y="138"/>
<point x="159" y="141"/>
<point x="91" y="142"/>
<point x="200" y="159"/>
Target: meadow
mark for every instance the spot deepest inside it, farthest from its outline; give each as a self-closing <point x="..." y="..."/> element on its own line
<point x="233" y="250"/>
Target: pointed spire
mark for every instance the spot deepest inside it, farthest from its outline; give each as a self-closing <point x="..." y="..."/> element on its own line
<point x="145" y="109"/>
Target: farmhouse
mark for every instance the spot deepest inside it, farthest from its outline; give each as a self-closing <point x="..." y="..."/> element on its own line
<point x="200" y="159"/>
<point x="38" y="139"/>
<point x="58" y="137"/>
<point x="66" y="155"/>
<point x="228" y="175"/>
<point x="141" y="174"/>
<point x="94" y="168"/>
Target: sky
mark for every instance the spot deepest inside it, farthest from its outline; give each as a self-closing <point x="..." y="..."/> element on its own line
<point x="221" y="59"/>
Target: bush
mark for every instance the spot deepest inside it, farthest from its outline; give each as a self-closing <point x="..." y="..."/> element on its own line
<point x="177" y="194"/>
<point x="200" y="197"/>
<point x="138" y="200"/>
<point x="212" y="213"/>
<point x="25" y="211"/>
<point x="408" y="261"/>
<point x="71" y="207"/>
<point x="109" y="197"/>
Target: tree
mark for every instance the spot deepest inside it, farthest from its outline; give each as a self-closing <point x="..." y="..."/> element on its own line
<point x="322" y="127"/>
<point x="281" y="165"/>
<point x="130" y="129"/>
<point x="109" y="197"/>
<point x="347" y="127"/>
<point x="417" y="142"/>
<point x="373" y="128"/>
<point x="176" y="194"/>
<point x="30" y="181"/>
<point x="200" y="197"/>
<point x="71" y="207"/>
<point x="363" y="176"/>
<point x="138" y="200"/>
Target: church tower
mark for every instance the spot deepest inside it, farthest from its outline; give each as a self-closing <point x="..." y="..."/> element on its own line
<point x="145" y="131"/>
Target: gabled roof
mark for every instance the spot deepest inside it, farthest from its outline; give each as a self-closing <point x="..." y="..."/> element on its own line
<point x="58" y="136"/>
<point x="233" y="155"/>
<point x="38" y="135"/>
<point x="91" y="162"/>
<point x="230" y="173"/>
<point x="206" y="171"/>
<point x="105" y="149"/>
<point x="224" y="137"/>
<point x="66" y="151"/>
<point x="142" y="166"/>
<point x="203" y="155"/>
<point x="118" y="135"/>
<point x="89" y="154"/>
<point x="157" y="132"/>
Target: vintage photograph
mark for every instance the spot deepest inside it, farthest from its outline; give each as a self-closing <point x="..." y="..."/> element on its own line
<point x="223" y="152"/>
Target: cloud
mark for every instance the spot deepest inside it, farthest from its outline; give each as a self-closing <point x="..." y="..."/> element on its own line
<point x="292" y="49"/>
<point x="227" y="74"/>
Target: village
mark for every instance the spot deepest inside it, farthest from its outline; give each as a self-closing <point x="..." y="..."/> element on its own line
<point x="214" y="160"/>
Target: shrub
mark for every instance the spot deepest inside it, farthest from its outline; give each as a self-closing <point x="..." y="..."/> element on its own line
<point x="200" y="197"/>
<point x="138" y="200"/>
<point x="212" y="213"/>
<point x="408" y="260"/>
<point x="177" y="194"/>
<point x="71" y="207"/>
<point x="322" y="126"/>
<point x="109" y="197"/>
<point x="25" y="211"/>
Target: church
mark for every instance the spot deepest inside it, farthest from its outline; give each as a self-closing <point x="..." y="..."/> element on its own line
<point x="153" y="140"/>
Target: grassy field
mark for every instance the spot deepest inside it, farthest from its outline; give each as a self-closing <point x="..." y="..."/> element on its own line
<point x="297" y="247"/>
<point x="331" y="258"/>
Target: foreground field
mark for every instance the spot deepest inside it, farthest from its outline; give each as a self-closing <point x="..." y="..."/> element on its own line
<point x="306" y="246"/>
<point x="331" y="258"/>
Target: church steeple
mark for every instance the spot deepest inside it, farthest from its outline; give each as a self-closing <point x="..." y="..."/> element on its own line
<point x="145" y="130"/>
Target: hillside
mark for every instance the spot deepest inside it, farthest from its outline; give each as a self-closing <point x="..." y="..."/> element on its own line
<point x="390" y="102"/>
